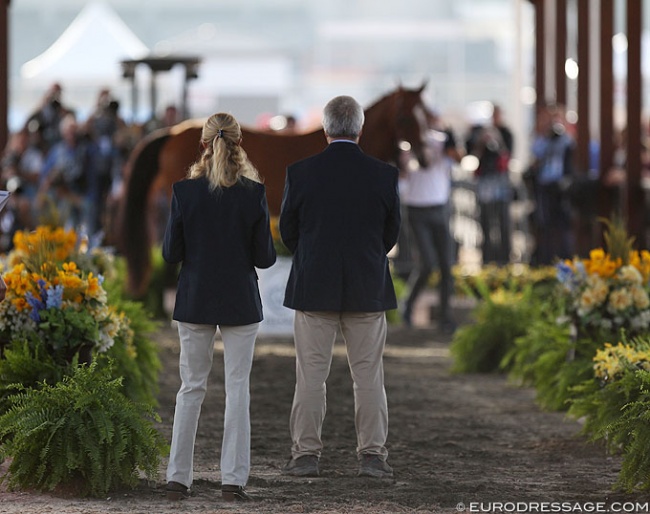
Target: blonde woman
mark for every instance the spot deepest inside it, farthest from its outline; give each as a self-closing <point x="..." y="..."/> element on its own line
<point x="219" y="230"/>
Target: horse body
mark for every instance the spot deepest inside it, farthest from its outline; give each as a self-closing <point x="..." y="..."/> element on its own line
<point x="166" y="155"/>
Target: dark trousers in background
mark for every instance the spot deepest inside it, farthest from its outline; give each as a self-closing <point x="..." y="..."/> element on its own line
<point x="432" y="236"/>
<point x="495" y="228"/>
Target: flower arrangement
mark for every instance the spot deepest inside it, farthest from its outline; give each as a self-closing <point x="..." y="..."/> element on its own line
<point x="49" y="297"/>
<point x="604" y="294"/>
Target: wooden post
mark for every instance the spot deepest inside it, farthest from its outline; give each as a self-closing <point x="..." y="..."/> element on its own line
<point x="634" y="206"/>
<point x="584" y="121"/>
<point x="560" y="51"/>
<point x="607" y="197"/>
<point x="540" y="53"/>
<point x="586" y="223"/>
<point x="4" y="73"/>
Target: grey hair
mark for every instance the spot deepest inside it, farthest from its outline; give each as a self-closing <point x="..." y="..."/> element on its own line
<point x="343" y="117"/>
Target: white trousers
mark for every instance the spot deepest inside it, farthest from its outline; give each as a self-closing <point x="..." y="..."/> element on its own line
<point x="197" y="349"/>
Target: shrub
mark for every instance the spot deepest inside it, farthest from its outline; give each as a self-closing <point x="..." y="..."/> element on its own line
<point x="615" y="405"/>
<point x="81" y="435"/>
<point x="500" y="318"/>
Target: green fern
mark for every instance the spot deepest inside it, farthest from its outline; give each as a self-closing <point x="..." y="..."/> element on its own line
<point x="482" y="345"/>
<point x="26" y="364"/>
<point x="82" y="435"/>
<point x="632" y="431"/>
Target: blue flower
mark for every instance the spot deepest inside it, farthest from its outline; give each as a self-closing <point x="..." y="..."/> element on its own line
<point x="564" y="274"/>
<point x="54" y="297"/>
<point x="36" y="304"/>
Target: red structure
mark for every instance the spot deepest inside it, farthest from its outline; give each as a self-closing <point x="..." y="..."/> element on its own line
<point x="596" y="87"/>
<point x="4" y="72"/>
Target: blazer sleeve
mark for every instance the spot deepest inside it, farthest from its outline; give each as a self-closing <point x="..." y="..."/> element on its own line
<point x="288" y="218"/>
<point x="173" y="248"/>
<point x="394" y="218"/>
<point x="263" y="248"/>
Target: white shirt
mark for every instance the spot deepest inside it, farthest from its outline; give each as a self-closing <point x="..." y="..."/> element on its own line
<point x="430" y="186"/>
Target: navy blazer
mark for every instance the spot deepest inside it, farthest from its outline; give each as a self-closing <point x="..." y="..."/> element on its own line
<point x="340" y="216"/>
<point x="220" y="237"/>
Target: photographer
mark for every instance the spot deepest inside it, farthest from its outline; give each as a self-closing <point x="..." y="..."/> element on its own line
<point x="552" y="151"/>
<point x="492" y="145"/>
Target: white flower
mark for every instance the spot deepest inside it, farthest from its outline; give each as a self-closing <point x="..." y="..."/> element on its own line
<point x="619" y="300"/>
<point x="630" y="274"/>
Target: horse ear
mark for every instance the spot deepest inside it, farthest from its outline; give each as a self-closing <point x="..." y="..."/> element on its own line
<point x="424" y="85"/>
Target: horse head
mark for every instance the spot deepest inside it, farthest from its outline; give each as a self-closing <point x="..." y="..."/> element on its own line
<point x="393" y="122"/>
<point x="411" y="122"/>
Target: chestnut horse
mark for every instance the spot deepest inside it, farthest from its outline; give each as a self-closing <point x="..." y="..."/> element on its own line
<point x="164" y="156"/>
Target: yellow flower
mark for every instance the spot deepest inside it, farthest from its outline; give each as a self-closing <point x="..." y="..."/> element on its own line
<point x="70" y="267"/>
<point x="20" y="304"/>
<point x="612" y="361"/>
<point x="275" y="228"/>
<point x="94" y="288"/>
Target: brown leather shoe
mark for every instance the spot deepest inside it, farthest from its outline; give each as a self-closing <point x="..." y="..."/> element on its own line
<point x="374" y="466"/>
<point x="235" y="493"/>
<point x="177" y="491"/>
<point x="305" y="466"/>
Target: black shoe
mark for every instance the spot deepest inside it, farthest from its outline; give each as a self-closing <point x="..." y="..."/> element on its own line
<point x="447" y="327"/>
<point x="177" y="491"/>
<point x="374" y="466"/>
<point x="235" y="493"/>
<point x="406" y="318"/>
<point x="305" y="466"/>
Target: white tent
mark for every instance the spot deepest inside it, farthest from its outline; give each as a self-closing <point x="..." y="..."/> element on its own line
<point x="89" y="51"/>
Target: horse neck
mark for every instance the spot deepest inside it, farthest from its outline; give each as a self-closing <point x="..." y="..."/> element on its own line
<point x="378" y="137"/>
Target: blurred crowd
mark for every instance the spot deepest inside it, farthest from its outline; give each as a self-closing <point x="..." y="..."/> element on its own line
<point x="63" y="169"/>
<point x="66" y="170"/>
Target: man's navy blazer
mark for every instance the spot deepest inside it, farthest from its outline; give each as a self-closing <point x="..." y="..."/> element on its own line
<point x="340" y="216"/>
<point x="220" y="237"/>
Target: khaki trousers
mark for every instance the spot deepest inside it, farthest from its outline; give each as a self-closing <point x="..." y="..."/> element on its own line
<point x="365" y="337"/>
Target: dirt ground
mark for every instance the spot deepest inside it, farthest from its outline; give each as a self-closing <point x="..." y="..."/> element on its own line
<point x="457" y="442"/>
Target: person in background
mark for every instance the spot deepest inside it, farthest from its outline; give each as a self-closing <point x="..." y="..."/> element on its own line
<point x="69" y="173"/>
<point x="48" y="116"/>
<point x="552" y="150"/>
<point x="340" y="216"/>
<point x="104" y="127"/>
<point x="426" y="193"/>
<point x="219" y="230"/>
<point x="492" y="145"/>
